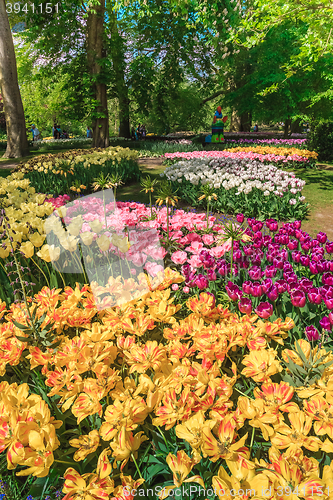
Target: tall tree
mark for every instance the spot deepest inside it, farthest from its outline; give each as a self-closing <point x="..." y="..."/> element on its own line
<point x="95" y="53"/>
<point x="17" y="144"/>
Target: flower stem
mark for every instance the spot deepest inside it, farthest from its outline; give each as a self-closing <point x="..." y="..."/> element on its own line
<point x="136" y="465"/>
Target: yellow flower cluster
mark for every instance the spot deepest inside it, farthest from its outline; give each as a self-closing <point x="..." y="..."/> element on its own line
<point x="53" y="160"/>
<point x="153" y="364"/>
<point x="25" y="210"/>
<point x="265" y="150"/>
<point x="28" y="431"/>
<point x="116" y="154"/>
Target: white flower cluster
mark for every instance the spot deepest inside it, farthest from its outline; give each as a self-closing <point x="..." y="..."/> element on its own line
<point x="234" y="173"/>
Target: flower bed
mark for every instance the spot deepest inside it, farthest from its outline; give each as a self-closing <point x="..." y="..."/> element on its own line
<point x="300" y="143"/>
<point x="240" y="185"/>
<point x="143" y="400"/>
<point x="278" y="272"/>
<point x="281" y="151"/>
<point x="166" y="389"/>
<point x="55" y="174"/>
<point x="278" y="160"/>
<point x="51" y="143"/>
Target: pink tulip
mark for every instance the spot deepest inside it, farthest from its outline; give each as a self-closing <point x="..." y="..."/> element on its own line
<point x="179" y="257"/>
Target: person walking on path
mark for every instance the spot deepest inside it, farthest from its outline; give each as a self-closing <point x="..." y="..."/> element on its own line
<point x="89" y="133"/>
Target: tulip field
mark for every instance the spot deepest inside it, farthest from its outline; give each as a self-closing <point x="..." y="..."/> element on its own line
<point x="153" y="351"/>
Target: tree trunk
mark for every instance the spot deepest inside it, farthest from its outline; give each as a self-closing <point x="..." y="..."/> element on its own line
<point x="117" y="52"/>
<point x="17" y="143"/>
<point x="287" y="124"/>
<point x="95" y="52"/>
<point x="234" y="122"/>
<point x="245" y="122"/>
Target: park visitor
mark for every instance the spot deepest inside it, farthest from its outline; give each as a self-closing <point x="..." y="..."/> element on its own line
<point x="89" y="133"/>
<point x="36" y="133"/>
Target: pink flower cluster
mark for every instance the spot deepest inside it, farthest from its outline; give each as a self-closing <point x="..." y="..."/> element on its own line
<point x="59" y="201"/>
<point x="240" y="155"/>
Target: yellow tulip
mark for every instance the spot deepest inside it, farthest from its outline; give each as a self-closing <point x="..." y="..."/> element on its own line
<point x="96" y="225"/>
<point x="27" y="249"/>
<point x="121" y="243"/>
<point x="87" y="237"/>
<point x="44" y="253"/>
<point x="103" y="243"/>
<point x="75" y="226"/>
<point x="36" y="239"/>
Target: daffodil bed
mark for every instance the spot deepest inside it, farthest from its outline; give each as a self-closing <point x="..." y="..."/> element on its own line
<point x="157" y="397"/>
<point x="57" y="174"/>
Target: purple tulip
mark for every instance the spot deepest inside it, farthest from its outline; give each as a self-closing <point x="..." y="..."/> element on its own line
<point x="325" y="323"/>
<point x="328" y="303"/>
<point x="238" y="256"/>
<point x="330" y="317"/>
<point x="257" y="289"/>
<point x="306" y="246"/>
<point x="315" y="244"/>
<point x="273" y="293"/>
<point x="257" y="226"/>
<point x="293" y="245"/>
<point x="327" y="279"/>
<point x="211" y="275"/>
<point x="223" y="269"/>
<point x="201" y="281"/>
<point x="270" y="271"/>
<point x="186" y="269"/>
<point x="240" y="218"/>
<point x="267" y="240"/>
<point x="247" y="287"/>
<point x="290" y="277"/>
<point x="281" y="285"/>
<point x="296" y="256"/>
<point x="322" y="237"/>
<point x="317" y="256"/>
<point x="306" y="284"/>
<point x="267" y="285"/>
<point x="255" y="273"/>
<point x="272" y="224"/>
<point x="312" y="333"/>
<point x="329" y="247"/>
<point x="278" y="262"/>
<point x="297" y="224"/>
<point x="284" y="239"/>
<point x="245" y="305"/>
<point x="298" y="298"/>
<point x="313" y="267"/>
<point x="293" y="285"/>
<point x="305" y="260"/>
<point x="314" y="296"/>
<point x="326" y="291"/>
<point x="321" y="267"/>
<point x="233" y="291"/>
<point x="248" y="250"/>
<point x="264" y="310"/>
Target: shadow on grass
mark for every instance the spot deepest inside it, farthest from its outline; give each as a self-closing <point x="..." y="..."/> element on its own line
<point x="321" y="177"/>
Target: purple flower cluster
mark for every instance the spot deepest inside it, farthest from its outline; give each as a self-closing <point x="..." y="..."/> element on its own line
<point x="276" y="142"/>
<point x="282" y="270"/>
